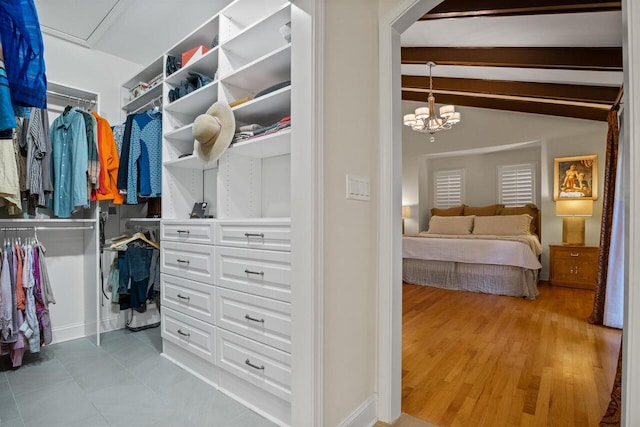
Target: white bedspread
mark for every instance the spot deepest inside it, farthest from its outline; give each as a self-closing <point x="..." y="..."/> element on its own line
<point x="473" y="249"/>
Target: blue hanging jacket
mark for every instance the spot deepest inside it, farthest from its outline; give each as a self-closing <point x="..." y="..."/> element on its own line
<point x="23" y="53"/>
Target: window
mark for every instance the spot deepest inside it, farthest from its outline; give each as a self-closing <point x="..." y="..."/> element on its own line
<point x="517" y="184"/>
<point x="448" y="188"/>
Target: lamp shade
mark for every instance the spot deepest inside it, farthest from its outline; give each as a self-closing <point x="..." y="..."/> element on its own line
<point x="574" y="207"/>
<point x="422" y="113"/>
<point x="409" y="119"/>
<point x="406" y="211"/>
<point x="447" y="110"/>
<point x="454" y="118"/>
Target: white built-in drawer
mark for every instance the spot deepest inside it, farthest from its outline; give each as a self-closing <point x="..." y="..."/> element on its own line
<point x="191" y="334"/>
<point x="264" y="273"/>
<point x="196" y="231"/>
<point x="262" y="319"/>
<point x="188" y="296"/>
<point x="263" y="366"/>
<point x="188" y="261"/>
<point x="274" y="234"/>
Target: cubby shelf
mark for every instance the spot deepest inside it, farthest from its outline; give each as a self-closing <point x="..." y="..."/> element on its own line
<point x="143" y="99"/>
<point x="196" y="102"/>
<point x="190" y="162"/>
<point x="272" y="145"/>
<point x="266" y="109"/>
<point x="207" y="65"/>
<point x="272" y="68"/>
<point x="247" y="47"/>
<point x="182" y="134"/>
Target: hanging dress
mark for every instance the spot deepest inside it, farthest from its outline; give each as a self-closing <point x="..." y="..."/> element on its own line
<point x="6" y="299"/>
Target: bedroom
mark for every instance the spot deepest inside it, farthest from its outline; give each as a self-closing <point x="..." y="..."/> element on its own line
<point x="484" y="140"/>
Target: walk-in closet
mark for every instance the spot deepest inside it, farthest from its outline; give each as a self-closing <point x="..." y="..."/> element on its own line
<point x="164" y="221"/>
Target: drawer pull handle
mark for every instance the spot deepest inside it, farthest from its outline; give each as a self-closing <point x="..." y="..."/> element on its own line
<point x="248" y="235"/>
<point x="259" y="368"/>
<point x="183" y="232"/>
<point x="246" y="316"/>
<point x="259" y="273"/>
<point x="575" y="253"/>
<point x="184" y="334"/>
<point x="183" y="261"/>
<point x="183" y="297"/>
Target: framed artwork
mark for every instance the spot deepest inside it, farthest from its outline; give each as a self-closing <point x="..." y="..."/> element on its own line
<point x="575" y="178"/>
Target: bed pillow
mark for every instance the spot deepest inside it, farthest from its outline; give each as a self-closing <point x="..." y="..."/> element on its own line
<point x="454" y="211"/>
<point x="529" y="209"/>
<point x="450" y="225"/>
<point x="482" y="211"/>
<point x="503" y="225"/>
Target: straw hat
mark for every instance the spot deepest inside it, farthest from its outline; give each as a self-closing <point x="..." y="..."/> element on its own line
<point x="213" y="132"/>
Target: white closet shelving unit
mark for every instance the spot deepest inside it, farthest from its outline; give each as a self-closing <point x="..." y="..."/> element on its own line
<point x="226" y="291"/>
<point x="72" y="243"/>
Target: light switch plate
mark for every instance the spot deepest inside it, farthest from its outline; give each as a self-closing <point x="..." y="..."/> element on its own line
<point x="358" y="188"/>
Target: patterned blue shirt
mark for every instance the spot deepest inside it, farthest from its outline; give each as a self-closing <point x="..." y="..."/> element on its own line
<point x="146" y="155"/>
<point x="69" y="163"/>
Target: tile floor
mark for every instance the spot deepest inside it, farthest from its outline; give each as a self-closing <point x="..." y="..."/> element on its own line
<point x="125" y="382"/>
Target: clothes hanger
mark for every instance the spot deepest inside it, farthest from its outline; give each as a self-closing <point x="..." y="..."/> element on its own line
<point x="136" y="236"/>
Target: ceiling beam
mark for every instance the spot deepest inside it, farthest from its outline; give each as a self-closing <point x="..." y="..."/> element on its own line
<point x="562" y="92"/>
<point x="473" y="8"/>
<point x="523" y="105"/>
<point x="573" y="58"/>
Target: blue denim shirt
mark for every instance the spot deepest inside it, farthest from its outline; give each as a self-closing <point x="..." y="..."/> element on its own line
<point x="69" y="163"/>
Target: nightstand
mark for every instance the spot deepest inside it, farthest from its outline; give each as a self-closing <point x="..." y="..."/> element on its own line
<point x="573" y="266"/>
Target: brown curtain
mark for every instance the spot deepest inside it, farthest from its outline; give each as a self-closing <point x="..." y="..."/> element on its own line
<point x="611" y="165"/>
<point x="612" y="416"/>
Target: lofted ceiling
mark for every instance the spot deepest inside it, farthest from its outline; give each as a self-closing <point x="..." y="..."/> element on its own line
<point x="557" y="57"/>
<point x="139" y="31"/>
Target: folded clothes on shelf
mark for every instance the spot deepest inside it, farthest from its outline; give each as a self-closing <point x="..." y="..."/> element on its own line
<point x="273" y="88"/>
<point x="256" y="132"/>
<point x="193" y="81"/>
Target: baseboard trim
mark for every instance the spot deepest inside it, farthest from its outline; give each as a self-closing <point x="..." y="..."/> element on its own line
<point x="68" y="332"/>
<point x="365" y="415"/>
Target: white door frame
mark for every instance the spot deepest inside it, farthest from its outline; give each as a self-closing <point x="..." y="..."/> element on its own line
<point x="307" y="207"/>
<point x="390" y="215"/>
<point x="390" y="184"/>
<point x="631" y="99"/>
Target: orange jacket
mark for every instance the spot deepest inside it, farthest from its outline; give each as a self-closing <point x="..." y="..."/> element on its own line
<point x="109" y="162"/>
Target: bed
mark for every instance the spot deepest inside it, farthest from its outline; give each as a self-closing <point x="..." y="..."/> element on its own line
<point x="491" y="250"/>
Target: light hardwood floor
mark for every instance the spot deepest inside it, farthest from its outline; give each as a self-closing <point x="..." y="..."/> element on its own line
<point x="484" y="360"/>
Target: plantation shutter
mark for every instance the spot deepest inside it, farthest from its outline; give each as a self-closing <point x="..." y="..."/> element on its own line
<point x="517" y="184"/>
<point x="449" y="188"/>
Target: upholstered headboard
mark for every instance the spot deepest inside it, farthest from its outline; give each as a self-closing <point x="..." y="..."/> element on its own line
<point x="497" y="209"/>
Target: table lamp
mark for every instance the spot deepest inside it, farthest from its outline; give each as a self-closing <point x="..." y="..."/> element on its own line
<point x="406" y="213"/>
<point x="573" y="221"/>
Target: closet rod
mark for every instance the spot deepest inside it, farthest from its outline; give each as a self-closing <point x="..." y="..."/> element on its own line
<point x="39" y="228"/>
<point x="133" y="224"/>
<point x="151" y="102"/>
<point x="71" y="97"/>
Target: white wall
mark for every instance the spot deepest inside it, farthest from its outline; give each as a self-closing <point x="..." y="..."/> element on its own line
<point x="350" y="141"/>
<point x="559" y="136"/>
<point x="91" y="70"/>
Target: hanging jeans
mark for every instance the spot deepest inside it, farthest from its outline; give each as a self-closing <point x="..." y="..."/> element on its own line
<point x="134" y="266"/>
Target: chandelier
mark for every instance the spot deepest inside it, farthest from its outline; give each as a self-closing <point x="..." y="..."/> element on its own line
<point x="425" y="120"/>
